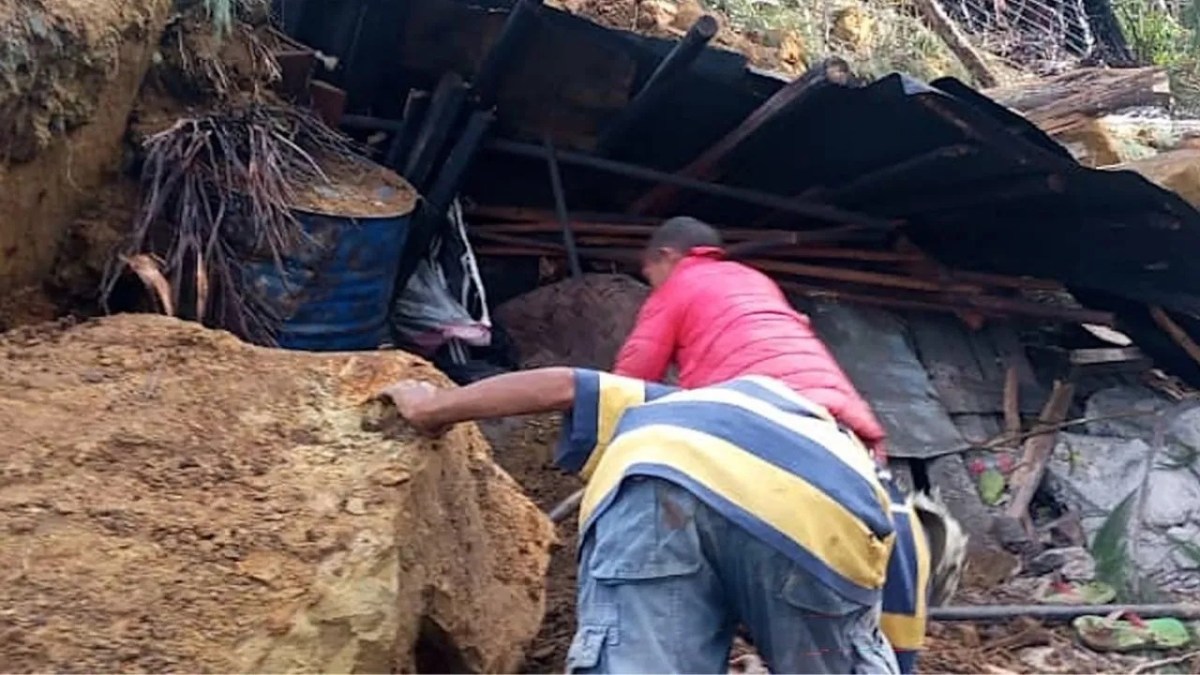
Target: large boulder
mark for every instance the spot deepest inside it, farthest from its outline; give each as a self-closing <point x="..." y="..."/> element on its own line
<point x="574" y="322"/>
<point x="172" y="499"/>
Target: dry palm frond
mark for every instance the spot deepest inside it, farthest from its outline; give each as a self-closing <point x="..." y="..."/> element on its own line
<point x="218" y="190"/>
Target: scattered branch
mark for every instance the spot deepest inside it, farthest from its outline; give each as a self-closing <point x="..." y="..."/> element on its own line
<point x="218" y="190"/>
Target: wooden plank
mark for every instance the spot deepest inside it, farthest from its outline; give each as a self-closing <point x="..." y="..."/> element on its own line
<point x="1037" y="450"/>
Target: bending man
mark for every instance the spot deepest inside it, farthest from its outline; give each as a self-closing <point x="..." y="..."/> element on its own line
<point x="717" y="319"/>
<point x="740" y="502"/>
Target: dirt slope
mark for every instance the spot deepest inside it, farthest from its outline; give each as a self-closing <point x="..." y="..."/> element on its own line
<point x="69" y="73"/>
<point x="173" y="499"/>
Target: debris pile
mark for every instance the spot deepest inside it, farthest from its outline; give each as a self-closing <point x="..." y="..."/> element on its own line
<point x="213" y="506"/>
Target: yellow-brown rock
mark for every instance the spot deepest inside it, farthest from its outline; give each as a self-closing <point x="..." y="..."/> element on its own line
<point x="1091" y="144"/>
<point x="175" y="500"/>
<point x="854" y="27"/>
<point x="1178" y="171"/>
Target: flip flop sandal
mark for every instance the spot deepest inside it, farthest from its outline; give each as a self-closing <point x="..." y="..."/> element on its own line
<point x="1064" y="593"/>
<point x="1114" y="634"/>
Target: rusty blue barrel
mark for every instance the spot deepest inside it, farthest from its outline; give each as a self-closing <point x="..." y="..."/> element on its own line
<point x="334" y="289"/>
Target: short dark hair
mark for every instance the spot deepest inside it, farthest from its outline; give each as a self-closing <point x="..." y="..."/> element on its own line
<point x="683" y="233"/>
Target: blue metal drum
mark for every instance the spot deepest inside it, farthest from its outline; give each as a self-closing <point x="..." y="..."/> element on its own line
<point x="334" y="290"/>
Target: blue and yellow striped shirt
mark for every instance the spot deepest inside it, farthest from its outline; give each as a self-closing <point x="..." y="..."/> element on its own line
<point x="752" y="449"/>
<point x="906" y="591"/>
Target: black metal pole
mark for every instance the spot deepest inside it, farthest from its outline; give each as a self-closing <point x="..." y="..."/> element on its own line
<point x="415" y="107"/>
<point x="459" y="160"/>
<point x="444" y="110"/>
<point x="431" y="213"/>
<point x="560" y="209"/>
<point x="816" y="211"/>
<point x="1059" y="612"/>
<point x="659" y="84"/>
<point x="487" y="81"/>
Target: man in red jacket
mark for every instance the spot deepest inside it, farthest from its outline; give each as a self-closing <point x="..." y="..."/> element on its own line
<point x="716" y="319"/>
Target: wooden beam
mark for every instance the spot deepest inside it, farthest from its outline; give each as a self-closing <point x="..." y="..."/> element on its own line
<point x="959" y="43"/>
<point x="707" y="167"/>
<point x="1037" y="450"/>
<point x="1176" y="332"/>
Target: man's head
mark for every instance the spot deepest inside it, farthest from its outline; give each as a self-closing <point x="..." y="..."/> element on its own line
<point x="671" y="242"/>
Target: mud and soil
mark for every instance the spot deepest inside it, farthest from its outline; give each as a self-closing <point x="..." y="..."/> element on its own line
<point x="69" y="73"/>
<point x="174" y="499"/>
<point x="523" y="446"/>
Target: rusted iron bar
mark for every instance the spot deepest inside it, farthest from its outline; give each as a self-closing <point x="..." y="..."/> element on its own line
<point x="532" y="214"/>
<point x="860" y="277"/>
<point x="521" y="20"/>
<point x="660" y="83"/>
<point x="560" y="208"/>
<point x="588" y="235"/>
<point x="939" y="301"/>
<point x="763" y="199"/>
<point x="1020" y="283"/>
<point x="782" y="237"/>
<point x="707" y="167"/>
<point x="415" y="107"/>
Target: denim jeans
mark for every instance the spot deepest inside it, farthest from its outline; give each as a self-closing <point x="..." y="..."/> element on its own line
<point x="664" y="581"/>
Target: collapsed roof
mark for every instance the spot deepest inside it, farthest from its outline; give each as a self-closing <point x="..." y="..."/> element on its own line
<point x="970" y="182"/>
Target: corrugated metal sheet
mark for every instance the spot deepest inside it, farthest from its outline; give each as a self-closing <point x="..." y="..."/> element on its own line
<point x="334" y="292"/>
<point x="873" y="348"/>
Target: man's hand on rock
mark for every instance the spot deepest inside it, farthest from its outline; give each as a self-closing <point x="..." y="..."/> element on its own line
<point x="413" y="399"/>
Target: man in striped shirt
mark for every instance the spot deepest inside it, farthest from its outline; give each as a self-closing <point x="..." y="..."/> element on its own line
<point x="734" y="503"/>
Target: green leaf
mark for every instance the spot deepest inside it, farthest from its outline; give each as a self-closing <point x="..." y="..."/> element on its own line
<point x="991" y="486"/>
<point x="1110" y="546"/>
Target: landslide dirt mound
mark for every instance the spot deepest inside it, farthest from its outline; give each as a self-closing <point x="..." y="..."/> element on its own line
<point x="577" y="322"/>
<point x="55" y="56"/>
<point x="173" y="499"/>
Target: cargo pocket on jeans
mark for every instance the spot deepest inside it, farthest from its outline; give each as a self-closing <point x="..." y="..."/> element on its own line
<point x="805" y="593"/>
<point x="597" y="626"/>
<point x="648" y="532"/>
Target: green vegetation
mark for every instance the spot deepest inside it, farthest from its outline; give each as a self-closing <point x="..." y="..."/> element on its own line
<point x="875" y="38"/>
<point x="1166" y="34"/>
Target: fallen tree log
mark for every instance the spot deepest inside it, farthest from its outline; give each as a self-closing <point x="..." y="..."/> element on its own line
<point x="176" y="500"/>
<point x="1061" y="103"/>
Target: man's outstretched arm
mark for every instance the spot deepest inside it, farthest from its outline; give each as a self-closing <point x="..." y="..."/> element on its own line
<point x="521" y="393"/>
<point x="592" y="402"/>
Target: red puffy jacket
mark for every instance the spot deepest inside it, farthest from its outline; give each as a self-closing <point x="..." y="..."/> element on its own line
<point x="717" y="320"/>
